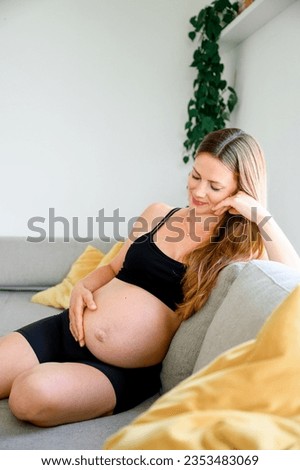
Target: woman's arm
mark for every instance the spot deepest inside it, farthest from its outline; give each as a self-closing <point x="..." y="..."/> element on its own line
<point x="278" y="246"/>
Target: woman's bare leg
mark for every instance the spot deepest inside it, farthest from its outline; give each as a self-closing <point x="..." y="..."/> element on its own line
<point x="54" y="393"/>
<point x="16" y="356"/>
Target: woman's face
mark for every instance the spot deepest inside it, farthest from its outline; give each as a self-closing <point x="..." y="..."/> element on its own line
<point x="210" y="181"/>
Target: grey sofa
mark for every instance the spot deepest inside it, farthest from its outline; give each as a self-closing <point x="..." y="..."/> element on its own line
<point x="245" y="295"/>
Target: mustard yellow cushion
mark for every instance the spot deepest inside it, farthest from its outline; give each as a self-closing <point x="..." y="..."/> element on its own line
<point x="248" y="398"/>
<point x="59" y="296"/>
<point x="111" y="254"/>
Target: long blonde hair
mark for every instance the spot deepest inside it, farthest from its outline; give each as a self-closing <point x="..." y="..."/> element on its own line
<point x="235" y="238"/>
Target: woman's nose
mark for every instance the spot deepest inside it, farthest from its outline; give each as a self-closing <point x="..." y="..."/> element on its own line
<point x="200" y="190"/>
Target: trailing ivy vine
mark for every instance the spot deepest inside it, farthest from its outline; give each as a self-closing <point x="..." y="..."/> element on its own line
<point x="213" y="99"/>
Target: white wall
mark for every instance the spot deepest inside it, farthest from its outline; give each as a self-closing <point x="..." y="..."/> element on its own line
<point x="266" y="67"/>
<point x="93" y="100"/>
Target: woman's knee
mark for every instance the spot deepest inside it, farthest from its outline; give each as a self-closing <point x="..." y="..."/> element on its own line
<point x="16" y="356"/>
<point x="31" y="398"/>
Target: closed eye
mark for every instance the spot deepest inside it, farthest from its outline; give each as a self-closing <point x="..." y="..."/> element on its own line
<point x="196" y="177"/>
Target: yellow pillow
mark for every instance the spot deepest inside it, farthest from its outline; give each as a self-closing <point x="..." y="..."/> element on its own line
<point x="59" y="296"/>
<point x="111" y="254"/>
<point x="247" y="398"/>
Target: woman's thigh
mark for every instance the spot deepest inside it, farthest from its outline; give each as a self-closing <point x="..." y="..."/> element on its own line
<point x="16" y="356"/>
<point x="53" y="393"/>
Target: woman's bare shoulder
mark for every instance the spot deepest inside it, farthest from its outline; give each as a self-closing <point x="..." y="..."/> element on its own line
<point x="150" y="217"/>
<point x="156" y="209"/>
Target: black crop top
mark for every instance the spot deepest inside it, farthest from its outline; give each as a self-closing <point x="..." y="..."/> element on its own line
<point x="146" y="266"/>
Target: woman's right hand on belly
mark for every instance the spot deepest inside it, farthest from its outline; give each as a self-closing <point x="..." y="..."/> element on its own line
<point x="81" y="298"/>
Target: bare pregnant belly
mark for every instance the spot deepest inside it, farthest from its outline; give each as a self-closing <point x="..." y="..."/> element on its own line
<point x="130" y="328"/>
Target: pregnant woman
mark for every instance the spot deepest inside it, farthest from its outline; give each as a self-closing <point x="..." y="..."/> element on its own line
<point x="103" y="355"/>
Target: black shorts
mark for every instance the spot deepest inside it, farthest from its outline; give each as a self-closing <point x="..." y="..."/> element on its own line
<point x="52" y="341"/>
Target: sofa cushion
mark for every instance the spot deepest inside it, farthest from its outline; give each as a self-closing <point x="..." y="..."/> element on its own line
<point x="258" y="289"/>
<point x="37" y="265"/>
<point x="59" y="295"/>
<point x="185" y="346"/>
<point x="16" y="310"/>
<point x="91" y="434"/>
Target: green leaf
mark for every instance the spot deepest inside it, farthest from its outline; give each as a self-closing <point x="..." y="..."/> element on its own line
<point x="191" y="103"/>
<point x="219" y="68"/>
<point x="232" y="101"/>
<point x="203" y="90"/>
<point x="192" y="35"/>
<point x="201" y="101"/>
<point x="222" y="84"/>
<point x="194" y="21"/>
<point x="192" y="113"/>
<point x="208" y="123"/>
<point x="213" y="30"/>
<point x="235" y="6"/>
<point x="186" y="159"/>
<point x="201" y="16"/>
<point x="213" y="93"/>
<point x="228" y="18"/>
<point x="220" y="5"/>
<point x="211" y="48"/>
<point x="197" y="133"/>
<point x="187" y="144"/>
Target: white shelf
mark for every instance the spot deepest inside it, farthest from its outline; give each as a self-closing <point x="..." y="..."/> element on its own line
<point x="250" y="20"/>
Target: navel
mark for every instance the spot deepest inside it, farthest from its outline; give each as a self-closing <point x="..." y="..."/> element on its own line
<point x="101" y="335"/>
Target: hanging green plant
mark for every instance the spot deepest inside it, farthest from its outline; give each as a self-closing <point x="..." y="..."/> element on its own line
<point x="213" y="99"/>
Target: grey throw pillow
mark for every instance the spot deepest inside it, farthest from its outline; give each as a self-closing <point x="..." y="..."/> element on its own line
<point x="185" y="346"/>
<point x="255" y="293"/>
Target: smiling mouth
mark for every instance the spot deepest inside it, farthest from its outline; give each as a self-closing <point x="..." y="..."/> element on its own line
<point x="198" y="203"/>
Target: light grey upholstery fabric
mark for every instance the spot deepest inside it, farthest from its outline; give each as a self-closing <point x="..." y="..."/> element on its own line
<point x="15" y="434"/>
<point x="16" y="310"/>
<point x="34" y="266"/>
<point x="260" y="287"/>
<point x="186" y="344"/>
